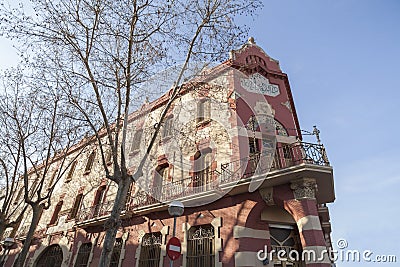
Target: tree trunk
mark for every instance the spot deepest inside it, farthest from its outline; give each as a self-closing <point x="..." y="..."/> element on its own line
<point x="113" y="222"/>
<point x="2" y="229"/>
<point x="36" y="211"/>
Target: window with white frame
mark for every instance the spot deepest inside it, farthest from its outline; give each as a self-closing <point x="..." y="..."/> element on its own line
<point x="201" y="246"/>
<point x="150" y="250"/>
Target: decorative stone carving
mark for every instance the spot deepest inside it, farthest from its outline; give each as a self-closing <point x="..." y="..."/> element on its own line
<point x="259" y="84"/>
<point x="268" y="195"/>
<point x="287" y="105"/>
<point x="304" y="188"/>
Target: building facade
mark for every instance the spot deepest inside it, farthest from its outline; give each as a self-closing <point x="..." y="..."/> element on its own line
<point x="247" y="188"/>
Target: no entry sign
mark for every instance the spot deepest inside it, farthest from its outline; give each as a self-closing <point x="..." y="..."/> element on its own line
<point x="174" y="248"/>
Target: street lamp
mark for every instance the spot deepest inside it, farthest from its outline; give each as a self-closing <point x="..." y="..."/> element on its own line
<point x="7" y="244"/>
<point x="175" y="209"/>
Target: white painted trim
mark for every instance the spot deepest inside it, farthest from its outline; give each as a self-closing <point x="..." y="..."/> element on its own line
<point x="77" y="252"/>
<point x="309" y="222"/>
<point x="281" y="226"/>
<point x="241" y="232"/>
<point x="122" y="252"/>
<point x="39" y="251"/>
<point x="217" y="223"/>
<point x="185" y="229"/>
<point x="163" y="251"/>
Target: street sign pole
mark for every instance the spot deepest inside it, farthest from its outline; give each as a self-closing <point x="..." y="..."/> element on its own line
<point x="171" y="262"/>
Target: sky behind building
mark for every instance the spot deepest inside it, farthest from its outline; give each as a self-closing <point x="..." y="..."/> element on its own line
<point x="342" y="58"/>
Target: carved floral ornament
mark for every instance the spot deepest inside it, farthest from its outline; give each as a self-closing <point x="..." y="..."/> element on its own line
<point x="304" y="188"/>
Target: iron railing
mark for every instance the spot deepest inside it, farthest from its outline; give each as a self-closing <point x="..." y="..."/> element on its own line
<point x="258" y="163"/>
<point x="95" y="211"/>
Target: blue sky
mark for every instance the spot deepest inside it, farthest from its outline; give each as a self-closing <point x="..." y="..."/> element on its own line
<point x="342" y="58"/>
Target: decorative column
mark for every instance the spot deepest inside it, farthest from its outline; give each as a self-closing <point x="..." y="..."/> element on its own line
<point x="305" y="212"/>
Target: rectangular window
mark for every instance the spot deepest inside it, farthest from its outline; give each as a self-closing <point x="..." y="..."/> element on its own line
<point x="90" y="162"/>
<point x="71" y="171"/>
<point x="108" y="157"/>
<point x="33" y="188"/>
<point x="136" y="140"/>
<point x="76" y="207"/>
<point x="52" y="178"/>
<point x="167" y="128"/>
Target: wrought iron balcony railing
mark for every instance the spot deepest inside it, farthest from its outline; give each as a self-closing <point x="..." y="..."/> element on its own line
<point x="285" y="156"/>
<point x="95" y="211"/>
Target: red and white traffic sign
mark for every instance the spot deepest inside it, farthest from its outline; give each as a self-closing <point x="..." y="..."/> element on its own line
<point x="174" y="248"/>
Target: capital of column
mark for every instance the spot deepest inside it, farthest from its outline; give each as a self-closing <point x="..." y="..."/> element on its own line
<point x="304" y="188"/>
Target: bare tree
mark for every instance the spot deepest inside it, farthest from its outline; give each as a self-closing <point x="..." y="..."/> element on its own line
<point x="12" y="202"/>
<point x="101" y="51"/>
<point x="39" y="136"/>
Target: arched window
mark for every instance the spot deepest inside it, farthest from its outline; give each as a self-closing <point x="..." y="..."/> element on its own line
<point x="98" y="199"/>
<point x="83" y="255"/>
<point x="201" y="246"/>
<point x="286" y="238"/>
<point x="90" y="162"/>
<point x="57" y="210"/>
<point x="116" y="252"/>
<point x="202" y="169"/>
<point x="76" y="207"/>
<point x="280" y="129"/>
<point x="203" y="110"/>
<point x="161" y="175"/>
<point x="150" y="250"/>
<point x="51" y="256"/>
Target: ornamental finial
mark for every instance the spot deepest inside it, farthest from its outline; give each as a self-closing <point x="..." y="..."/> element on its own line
<point x="251" y="40"/>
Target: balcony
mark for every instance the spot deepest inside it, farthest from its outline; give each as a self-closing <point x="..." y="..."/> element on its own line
<point x="95" y="212"/>
<point x="287" y="163"/>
